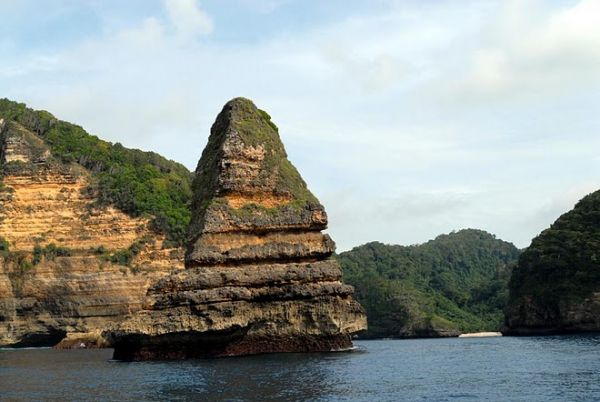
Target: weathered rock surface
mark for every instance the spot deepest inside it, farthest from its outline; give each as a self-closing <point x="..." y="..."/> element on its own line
<point x="46" y="298"/>
<point x="259" y="275"/>
<point x="556" y="286"/>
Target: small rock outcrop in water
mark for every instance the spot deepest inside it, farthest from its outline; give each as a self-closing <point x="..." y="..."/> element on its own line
<point x="556" y="286"/>
<point x="259" y="275"/>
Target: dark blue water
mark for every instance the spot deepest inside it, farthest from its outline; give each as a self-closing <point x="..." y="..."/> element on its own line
<point x="496" y="369"/>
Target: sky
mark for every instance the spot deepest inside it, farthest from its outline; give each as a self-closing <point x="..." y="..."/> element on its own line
<point x="407" y="119"/>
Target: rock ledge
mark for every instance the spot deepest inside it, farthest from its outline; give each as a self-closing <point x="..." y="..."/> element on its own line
<point x="259" y="277"/>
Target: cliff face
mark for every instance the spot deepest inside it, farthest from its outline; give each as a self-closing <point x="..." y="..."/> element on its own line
<point x="259" y="275"/>
<point x="69" y="266"/>
<point x="556" y="286"/>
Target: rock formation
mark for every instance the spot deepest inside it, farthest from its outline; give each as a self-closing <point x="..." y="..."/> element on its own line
<point x="556" y="286"/>
<point x="59" y="279"/>
<point x="258" y="277"/>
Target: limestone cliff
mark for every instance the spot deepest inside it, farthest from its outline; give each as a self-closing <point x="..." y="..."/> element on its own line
<point x="69" y="265"/>
<point x="259" y="275"/>
<point x="556" y="286"/>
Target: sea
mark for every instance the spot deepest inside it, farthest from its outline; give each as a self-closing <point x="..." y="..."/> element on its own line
<point x="552" y="368"/>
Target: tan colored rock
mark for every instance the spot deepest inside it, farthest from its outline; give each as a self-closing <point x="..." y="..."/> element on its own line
<point x="67" y="296"/>
<point x="259" y="275"/>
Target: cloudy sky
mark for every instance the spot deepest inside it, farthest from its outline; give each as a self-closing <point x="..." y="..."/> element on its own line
<point x="407" y="118"/>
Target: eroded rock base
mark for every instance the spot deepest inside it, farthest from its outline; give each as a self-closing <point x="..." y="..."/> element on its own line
<point x="176" y="346"/>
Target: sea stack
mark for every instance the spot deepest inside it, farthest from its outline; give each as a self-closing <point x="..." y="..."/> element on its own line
<point x="556" y="286"/>
<point x="259" y="275"/>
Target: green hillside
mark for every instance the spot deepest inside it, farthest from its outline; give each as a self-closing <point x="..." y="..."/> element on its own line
<point x="136" y="182"/>
<point x="454" y="283"/>
<point x="558" y="272"/>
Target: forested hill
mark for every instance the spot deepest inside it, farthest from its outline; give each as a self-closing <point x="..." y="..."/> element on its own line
<point x="454" y="283"/>
<point x="138" y="183"/>
<point x="556" y="285"/>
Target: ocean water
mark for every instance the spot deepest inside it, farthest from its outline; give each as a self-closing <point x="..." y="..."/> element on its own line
<point x="558" y="368"/>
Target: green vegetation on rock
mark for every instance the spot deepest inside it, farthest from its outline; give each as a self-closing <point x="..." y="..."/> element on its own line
<point x="456" y="282"/>
<point x="4" y="247"/>
<point x="242" y="125"/>
<point x="138" y="183"/>
<point x="123" y="256"/>
<point x="562" y="265"/>
<point x="50" y="252"/>
<point x="254" y="128"/>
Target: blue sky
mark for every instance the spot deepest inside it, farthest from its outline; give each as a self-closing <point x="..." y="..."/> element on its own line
<point x="407" y="118"/>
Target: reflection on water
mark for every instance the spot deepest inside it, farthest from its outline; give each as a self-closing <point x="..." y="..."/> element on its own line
<point x="283" y="377"/>
<point x="91" y="375"/>
<point x="467" y="369"/>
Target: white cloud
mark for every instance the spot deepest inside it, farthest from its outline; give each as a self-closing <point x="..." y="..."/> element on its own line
<point x="535" y="50"/>
<point x="406" y="123"/>
<point x="264" y="6"/>
<point x="188" y="18"/>
<point x="376" y="73"/>
<point x="150" y="33"/>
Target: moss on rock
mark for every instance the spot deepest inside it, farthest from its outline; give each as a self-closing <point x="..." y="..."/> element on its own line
<point x="245" y="156"/>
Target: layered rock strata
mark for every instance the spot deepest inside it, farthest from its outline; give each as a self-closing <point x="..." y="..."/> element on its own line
<point x="70" y="289"/>
<point x="259" y="275"/>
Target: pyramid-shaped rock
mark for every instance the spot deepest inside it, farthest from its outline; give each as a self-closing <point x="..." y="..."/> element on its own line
<point x="259" y="277"/>
<point x="250" y="203"/>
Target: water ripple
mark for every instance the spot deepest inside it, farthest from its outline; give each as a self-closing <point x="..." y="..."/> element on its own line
<point x="466" y="369"/>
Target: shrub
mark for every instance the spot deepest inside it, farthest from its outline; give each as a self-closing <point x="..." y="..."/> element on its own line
<point x="122" y="257"/>
<point x="38" y="251"/>
<point x="4" y="247"/>
<point x="52" y="250"/>
<point x="100" y="250"/>
<point x="25" y="265"/>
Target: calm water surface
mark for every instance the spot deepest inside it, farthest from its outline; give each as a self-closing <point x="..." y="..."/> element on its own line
<point x="496" y="369"/>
